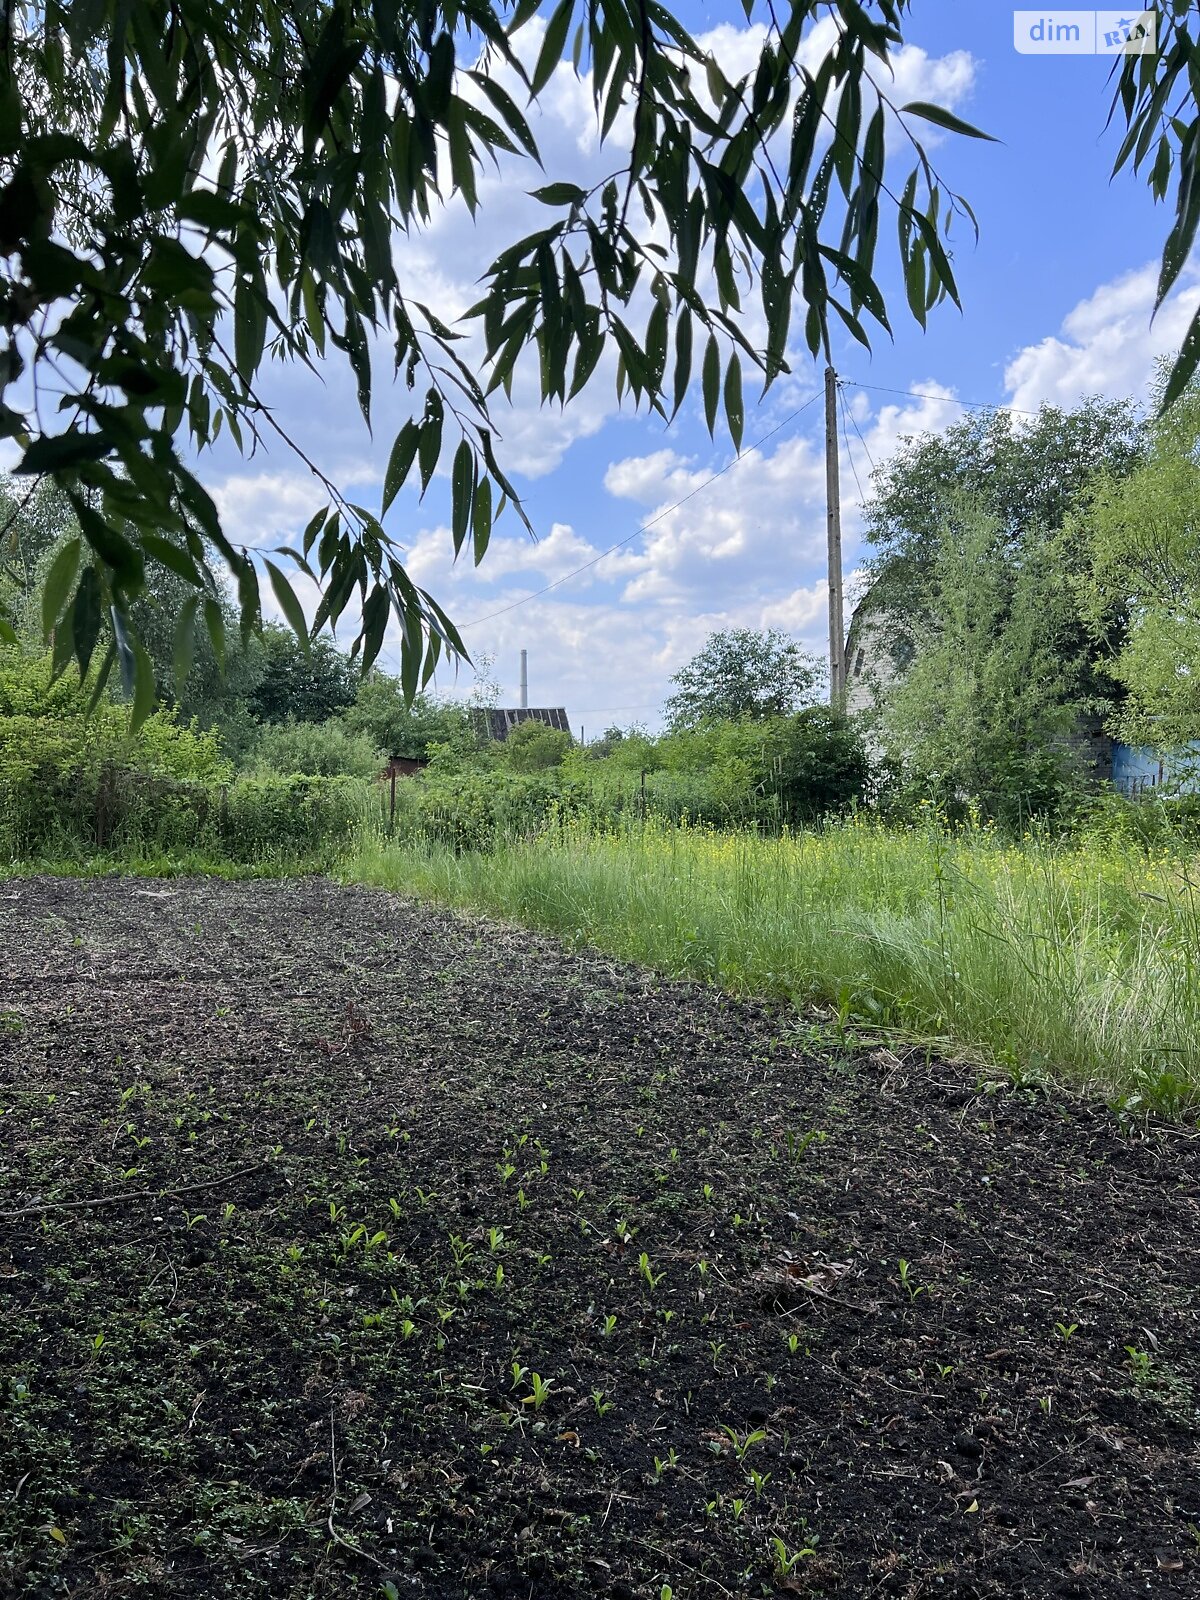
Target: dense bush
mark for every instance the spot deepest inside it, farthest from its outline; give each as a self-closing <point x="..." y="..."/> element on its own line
<point x="75" y="779"/>
<point x="782" y="770"/>
<point x="777" y="772"/>
<point x="61" y="764"/>
<point x="261" y="818"/>
<point x="398" y="729"/>
<point x="532" y="746"/>
<point x="129" y="812"/>
<point x="317" y="750"/>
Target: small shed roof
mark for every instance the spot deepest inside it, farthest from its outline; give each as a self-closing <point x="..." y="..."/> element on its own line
<point x="497" y="722"/>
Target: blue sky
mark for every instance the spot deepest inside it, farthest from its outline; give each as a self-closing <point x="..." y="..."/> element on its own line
<point x="1057" y="295"/>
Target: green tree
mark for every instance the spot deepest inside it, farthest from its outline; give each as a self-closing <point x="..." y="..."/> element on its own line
<point x="190" y="188"/>
<point x="1025" y="474"/>
<point x="742" y="673"/>
<point x="790" y="769"/>
<point x="1142" y="536"/>
<point x="398" y="728"/>
<point x="986" y="709"/>
<point x="34" y="521"/>
<point x="823" y="765"/>
<point x="190" y="676"/>
<point x="299" y="683"/>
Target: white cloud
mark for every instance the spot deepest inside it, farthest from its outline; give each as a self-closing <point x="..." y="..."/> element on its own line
<point x="1108" y="344"/>
<point x="745" y="551"/>
<point x="945" y="80"/>
<point x="430" y="560"/>
<point x="267" y="508"/>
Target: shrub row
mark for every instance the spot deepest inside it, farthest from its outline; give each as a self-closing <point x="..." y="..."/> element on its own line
<point x="123" y="810"/>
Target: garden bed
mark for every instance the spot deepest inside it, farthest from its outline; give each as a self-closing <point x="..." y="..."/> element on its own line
<point x="350" y="1246"/>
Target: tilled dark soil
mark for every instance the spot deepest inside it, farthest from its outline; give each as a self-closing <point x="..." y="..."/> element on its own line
<point x="350" y="1247"/>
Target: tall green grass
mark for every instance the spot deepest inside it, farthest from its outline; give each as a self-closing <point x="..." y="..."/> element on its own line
<point x="1078" y="960"/>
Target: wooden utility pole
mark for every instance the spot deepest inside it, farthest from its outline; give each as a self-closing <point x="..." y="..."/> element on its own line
<point x="833" y="517"/>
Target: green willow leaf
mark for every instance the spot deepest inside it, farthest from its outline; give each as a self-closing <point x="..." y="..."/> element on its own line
<point x="481" y="519"/>
<point x="143" y="686"/>
<point x="86" y="618"/>
<point x="289" y="604"/>
<point x="735" y="411"/>
<point x="400" y="461"/>
<point x="711" y="379"/>
<point x="58" y="583"/>
<point x="1185" y="366"/>
<point x="552" y="47"/>
<point x="462" y="493"/>
<point x="185" y="641"/>
<point x="945" y="119"/>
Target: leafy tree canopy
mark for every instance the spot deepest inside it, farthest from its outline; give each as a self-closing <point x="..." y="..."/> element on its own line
<point x="317" y="750"/>
<point x="984" y="711"/>
<point x="398" y="728"/>
<point x="532" y="746"/>
<point x="740" y="674"/>
<point x="1142" y="534"/>
<point x="299" y="684"/>
<point x="795" y="768"/>
<point x="190" y="188"/>
<point x="1023" y="473"/>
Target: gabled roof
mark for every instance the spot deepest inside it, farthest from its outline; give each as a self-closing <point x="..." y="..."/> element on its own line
<point x="497" y="722"/>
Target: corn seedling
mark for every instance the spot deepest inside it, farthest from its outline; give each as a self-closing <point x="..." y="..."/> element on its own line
<point x="908" y="1283"/>
<point x="541" y="1388"/>
<point x="797" y="1143"/>
<point x="786" y="1561"/>
<point x="741" y="1444"/>
<point x="652" y="1278"/>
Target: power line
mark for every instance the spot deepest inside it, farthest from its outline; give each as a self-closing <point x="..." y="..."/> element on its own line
<point x="646" y="526"/>
<point x="842" y="383"/>
<point x="849" y="452"/>
<point x="593" y="711"/>
<point x="948" y="399"/>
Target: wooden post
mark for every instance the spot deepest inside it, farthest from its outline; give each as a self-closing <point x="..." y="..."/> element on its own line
<point x="833" y="516"/>
<point x="392" y="807"/>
